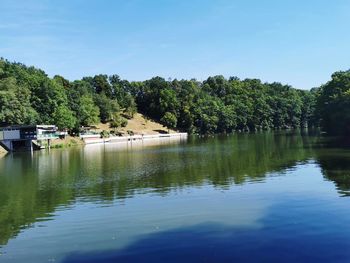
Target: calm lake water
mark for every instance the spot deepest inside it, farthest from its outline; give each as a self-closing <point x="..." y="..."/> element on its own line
<point x="263" y="197"/>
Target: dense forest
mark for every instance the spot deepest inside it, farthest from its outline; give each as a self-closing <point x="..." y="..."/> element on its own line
<point x="28" y="95"/>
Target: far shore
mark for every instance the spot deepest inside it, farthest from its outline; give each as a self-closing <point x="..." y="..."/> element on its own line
<point x="70" y="141"/>
<point x="139" y="125"/>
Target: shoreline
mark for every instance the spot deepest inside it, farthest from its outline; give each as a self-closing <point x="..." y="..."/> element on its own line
<point x="131" y="138"/>
<point x="76" y="141"/>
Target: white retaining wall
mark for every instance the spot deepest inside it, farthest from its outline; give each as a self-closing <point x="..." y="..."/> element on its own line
<point x="134" y="138"/>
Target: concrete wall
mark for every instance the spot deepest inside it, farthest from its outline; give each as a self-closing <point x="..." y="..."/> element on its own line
<point x="92" y="136"/>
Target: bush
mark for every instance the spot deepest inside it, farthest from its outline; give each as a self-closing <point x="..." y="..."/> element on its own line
<point x="119" y="122"/>
<point x="105" y="134"/>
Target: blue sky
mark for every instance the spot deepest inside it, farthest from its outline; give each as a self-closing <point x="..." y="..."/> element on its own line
<point x="294" y="42"/>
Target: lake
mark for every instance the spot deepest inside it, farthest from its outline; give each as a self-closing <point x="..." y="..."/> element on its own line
<point x="264" y="197"/>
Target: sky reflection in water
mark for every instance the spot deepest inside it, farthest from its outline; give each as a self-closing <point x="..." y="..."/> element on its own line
<point x="266" y="196"/>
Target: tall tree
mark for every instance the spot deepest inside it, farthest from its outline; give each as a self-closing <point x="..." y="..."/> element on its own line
<point x="64" y="119"/>
<point x="89" y="112"/>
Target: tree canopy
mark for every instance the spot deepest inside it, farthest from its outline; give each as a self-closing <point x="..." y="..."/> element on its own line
<point x="215" y="105"/>
<point x="333" y="104"/>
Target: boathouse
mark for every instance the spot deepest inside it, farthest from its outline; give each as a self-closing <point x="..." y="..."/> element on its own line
<point x="22" y="137"/>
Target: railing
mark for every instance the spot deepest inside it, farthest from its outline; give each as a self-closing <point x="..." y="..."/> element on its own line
<point x="47" y="136"/>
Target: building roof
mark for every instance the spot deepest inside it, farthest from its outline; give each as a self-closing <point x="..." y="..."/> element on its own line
<point x="16" y="127"/>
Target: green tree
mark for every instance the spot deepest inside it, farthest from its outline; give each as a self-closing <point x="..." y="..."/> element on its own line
<point x="227" y="119"/>
<point x="131" y="107"/>
<point x="107" y="107"/>
<point x="118" y="121"/>
<point x="102" y="85"/>
<point x="64" y="119"/>
<point x="333" y="104"/>
<point x="169" y="119"/>
<point x="47" y="98"/>
<point x="15" y="105"/>
<point x="89" y="112"/>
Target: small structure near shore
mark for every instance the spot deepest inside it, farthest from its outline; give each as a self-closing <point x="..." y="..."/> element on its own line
<point x="89" y="132"/>
<point x="27" y="137"/>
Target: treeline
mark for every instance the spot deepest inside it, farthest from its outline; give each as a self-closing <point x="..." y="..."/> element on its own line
<point x="224" y="105"/>
<point x="28" y="95"/>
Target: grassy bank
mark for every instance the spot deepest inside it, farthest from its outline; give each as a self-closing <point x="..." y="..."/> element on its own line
<point x="67" y="142"/>
<point x="139" y="124"/>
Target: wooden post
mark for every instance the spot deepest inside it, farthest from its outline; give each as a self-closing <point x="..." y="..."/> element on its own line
<point x="31" y="148"/>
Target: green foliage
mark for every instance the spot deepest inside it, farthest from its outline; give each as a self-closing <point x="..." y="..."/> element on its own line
<point x="105" y="134"/>
<point x="47" y="98"/>
<point x="169" y="119"/>
<point x="64" y="119"/>
<point x="88" y="111"/>
<point x="101" y="85"/>
<point x="123" y="122"/>
<point x="28" y="95"/>
<point x="225" y="105"/>
<point x="118" y="121"/>
<point x="15" y="105"/>
<point x="131" y="107"/>
<point x="333" y="104"/>
<point x="57" y="146"/>
<point x="107" y="107"/>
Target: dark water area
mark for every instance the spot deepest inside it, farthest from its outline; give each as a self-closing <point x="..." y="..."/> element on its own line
<point x="264" y="197"/>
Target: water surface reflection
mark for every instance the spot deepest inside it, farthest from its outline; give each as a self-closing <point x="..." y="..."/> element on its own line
<point x="228" y="191"/>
